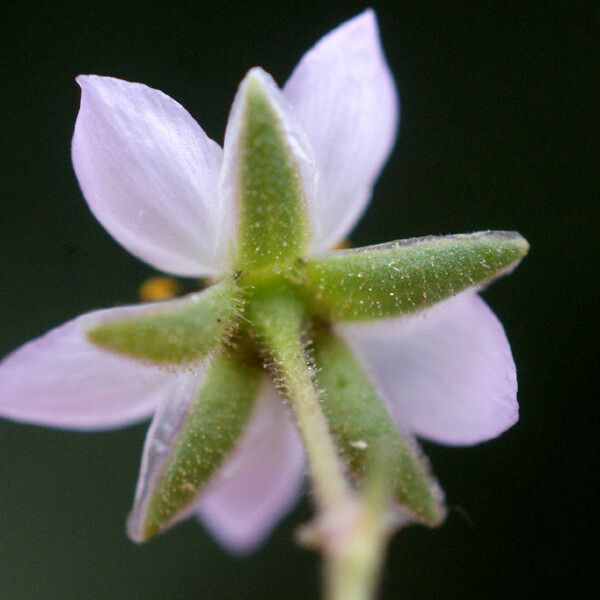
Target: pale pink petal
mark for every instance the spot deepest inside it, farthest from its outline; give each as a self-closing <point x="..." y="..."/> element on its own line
<point x="344" y="96"/>
<point x="295" y="137"/>
<point x="63" y="380"/>
<point x="149" y="174"/>
<point x="259" y="483"/>
<point x="447" y="373"/>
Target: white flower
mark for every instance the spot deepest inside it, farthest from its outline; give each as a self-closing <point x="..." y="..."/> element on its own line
<point x="167" y="193"/>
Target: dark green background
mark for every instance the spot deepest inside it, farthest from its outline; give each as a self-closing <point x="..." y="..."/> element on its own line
<point x="496" y="127"/>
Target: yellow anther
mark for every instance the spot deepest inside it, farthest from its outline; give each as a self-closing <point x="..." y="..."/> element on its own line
<point x="158" y="288"/>
<point x="343" y="245"/>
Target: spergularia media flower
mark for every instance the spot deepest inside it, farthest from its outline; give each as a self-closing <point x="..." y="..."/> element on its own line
<point x="298" y="354"/>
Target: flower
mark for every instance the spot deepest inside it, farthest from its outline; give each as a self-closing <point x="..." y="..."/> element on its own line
<point x="171" y="196"/>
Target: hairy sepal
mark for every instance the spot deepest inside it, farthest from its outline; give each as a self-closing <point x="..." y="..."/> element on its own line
<point x="190" y="440"/>
<point x="362" y="425"/>
<point x="403" y="277"/>
<point x="272" y="219"/>
<point x="179" y="335"/>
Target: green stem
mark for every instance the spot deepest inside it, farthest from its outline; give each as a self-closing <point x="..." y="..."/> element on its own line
<point x="331" y="487"/>
<point x="354" y="571"/>
<point x="353" y="574"/>
<point x="279" y="319"/>
<point x="350" y="530"/>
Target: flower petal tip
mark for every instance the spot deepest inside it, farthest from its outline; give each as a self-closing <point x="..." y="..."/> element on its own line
<point x="363" y="25"/>
<point x="149" y="175"/>
<point x="90" y="83"/>
<point x="344" y="95"/>
<point x="367" y="19"/>
<point x="84" y="79"/>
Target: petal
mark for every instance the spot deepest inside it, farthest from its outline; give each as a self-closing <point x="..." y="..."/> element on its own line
<point x="447" y="373"/>
<point x="344" y="95"/>
<point x="61" y="379"/>
<point x="298" y="149"/>
<point x="261" y="481"/>
<point x="149" y="174"/>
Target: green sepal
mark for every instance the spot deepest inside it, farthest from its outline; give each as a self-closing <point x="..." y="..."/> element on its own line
<point x="181" y="333"/>
<point x="272" y="218"/>
<point x="211" y="428"/>
<point x="402" y="277"/>
<point x="361" y="424"/>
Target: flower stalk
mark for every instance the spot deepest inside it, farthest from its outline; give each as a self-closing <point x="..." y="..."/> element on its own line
<point x="354" y="567"/>
<point x="351" y="527"/>
<point x="279" y="320"/>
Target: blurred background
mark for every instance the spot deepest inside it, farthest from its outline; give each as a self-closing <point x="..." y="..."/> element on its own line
<point x="496" y="130"/>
